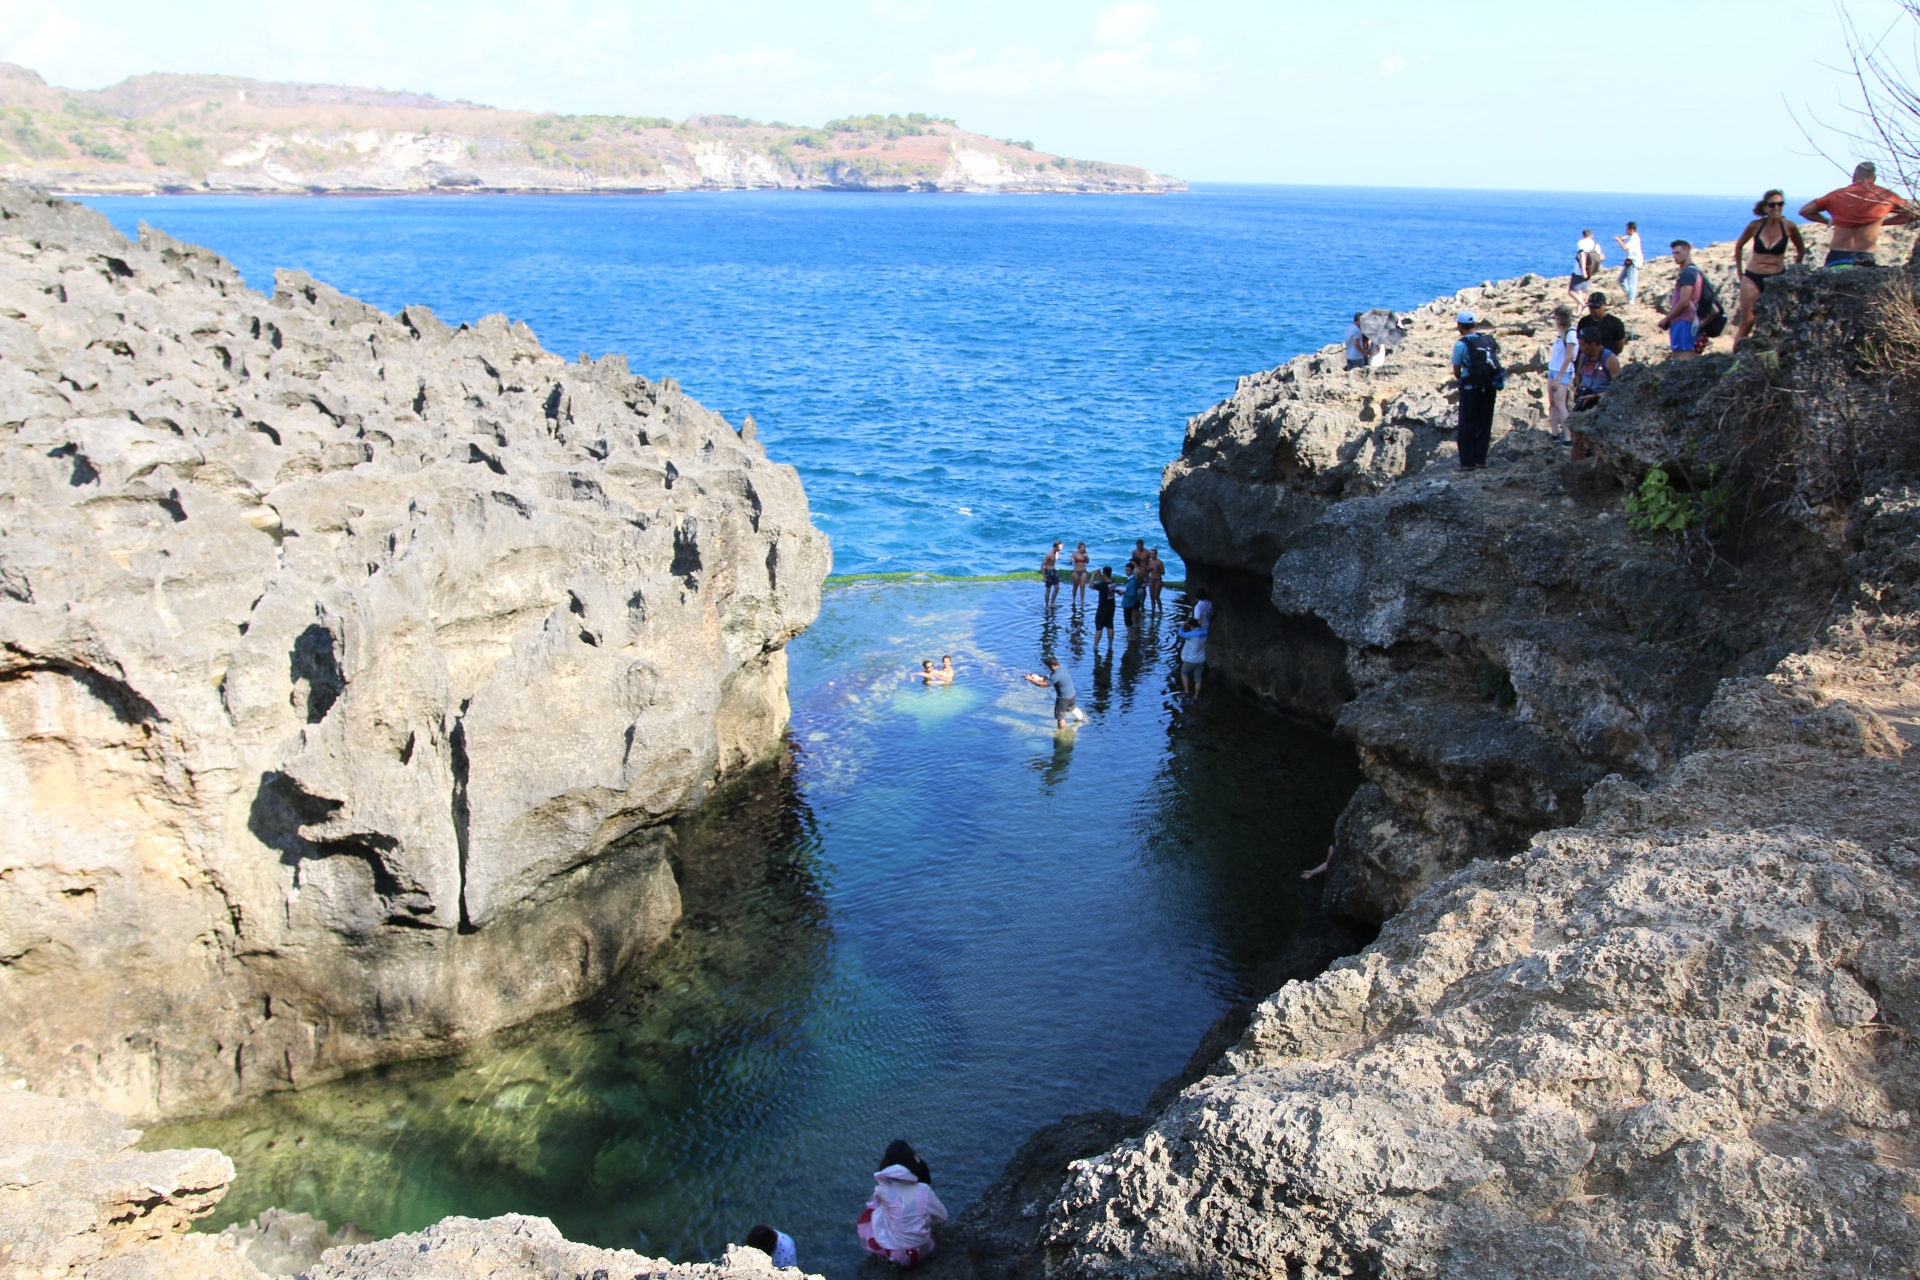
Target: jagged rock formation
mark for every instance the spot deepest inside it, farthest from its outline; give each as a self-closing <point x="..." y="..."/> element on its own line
<point x="190" y="133"/>
<point x="77" y="1201"/>
<point x="1493" y="644"/>
<point x="351" y="666"/>
<point x="1672" y="1035"/>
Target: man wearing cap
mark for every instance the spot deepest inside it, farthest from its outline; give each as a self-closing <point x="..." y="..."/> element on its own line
<point x="1856" y="213"/>
<point x="1473" y="374"/>
<point x="1609" y="329"/>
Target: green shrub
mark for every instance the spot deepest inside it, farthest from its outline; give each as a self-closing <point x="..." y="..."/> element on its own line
<point x="1658" y="507"/>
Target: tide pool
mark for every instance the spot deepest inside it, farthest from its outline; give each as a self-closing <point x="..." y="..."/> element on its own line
<point x="940" y="920"/>
<point x="960" y="380"/>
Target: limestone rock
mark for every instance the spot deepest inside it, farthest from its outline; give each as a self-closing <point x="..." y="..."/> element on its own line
<point x="78" y="1203"/>
<point x="1496" y="643"/>
<point x="351" y="665"/>
<point x="1674" y="1040"/>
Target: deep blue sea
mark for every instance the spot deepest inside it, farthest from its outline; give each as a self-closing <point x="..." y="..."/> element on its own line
<point x="944" y="921"/>
<point x="960" y="379"/>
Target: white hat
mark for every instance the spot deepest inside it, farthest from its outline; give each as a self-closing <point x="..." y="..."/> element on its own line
<point x="1466" y="317"/>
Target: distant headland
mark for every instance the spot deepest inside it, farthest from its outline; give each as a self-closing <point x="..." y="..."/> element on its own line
<point x="191" y="134"/>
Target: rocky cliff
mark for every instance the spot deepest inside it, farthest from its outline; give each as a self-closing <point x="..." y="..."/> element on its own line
<point x="352" y="666"/>
<point x="1640" y="819"/>
<point x="190" y="133"/>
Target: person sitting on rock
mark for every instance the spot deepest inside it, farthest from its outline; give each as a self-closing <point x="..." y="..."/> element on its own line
<point x="777" y="1245"/>
<point x="899" y="1219"/>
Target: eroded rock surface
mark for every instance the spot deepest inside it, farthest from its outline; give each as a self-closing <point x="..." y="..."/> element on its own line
<point x="1641" y="815"/>
<point x="1495" y="643"/>
<point x="76" y="1200"/>
<point x="351" y="666"/>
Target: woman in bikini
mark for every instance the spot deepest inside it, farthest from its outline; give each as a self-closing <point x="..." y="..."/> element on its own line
<point x="1080" y="559"/>
<point x="1156" y="570"/>
<point x="1770" y="233"/>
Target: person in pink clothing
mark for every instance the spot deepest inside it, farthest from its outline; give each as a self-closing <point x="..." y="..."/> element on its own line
<point x="899" y="1219"/>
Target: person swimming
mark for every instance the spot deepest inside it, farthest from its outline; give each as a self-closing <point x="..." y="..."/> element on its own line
<point x="946" y="668"/>
<point x="900" y="1216"/>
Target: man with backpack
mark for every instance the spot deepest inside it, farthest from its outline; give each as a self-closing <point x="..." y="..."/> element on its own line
<point x="1477" y="368"/>
<point x="1694" y="316"/>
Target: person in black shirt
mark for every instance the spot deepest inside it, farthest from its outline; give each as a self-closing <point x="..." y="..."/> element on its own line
<point x="1609" y="329"/>
<point x="1103" y="608"/>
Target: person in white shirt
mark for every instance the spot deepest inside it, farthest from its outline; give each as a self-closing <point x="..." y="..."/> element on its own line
<point x="1586" y="263"/>
<point x="1359" y="345"/>
<point x="1636" y="258"/>
<point x="899" y="1220"/>
<point x="1561" y="362"/>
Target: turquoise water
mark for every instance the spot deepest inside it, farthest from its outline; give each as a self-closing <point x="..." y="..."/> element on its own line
<point x="943" y="921"/>
<point x="960" y="380"/>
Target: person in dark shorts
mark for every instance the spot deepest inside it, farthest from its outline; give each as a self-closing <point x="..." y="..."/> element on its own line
<point x="1193" y="657"/>
<point x="1103" y="588"/>
<point x="1064" y="706"/>
<point x="1050" y="573"/>
<point x="1133" y="594"/>
<point x="1475" y="432"/>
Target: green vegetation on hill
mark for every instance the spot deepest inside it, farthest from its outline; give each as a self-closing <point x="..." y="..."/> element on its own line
<point x="186" y="132"/>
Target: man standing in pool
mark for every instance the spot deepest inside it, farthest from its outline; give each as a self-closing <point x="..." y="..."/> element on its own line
<point x="1050" y="574"/>
<point x="1064" y="707"/>
<point x="1103" y="609"/>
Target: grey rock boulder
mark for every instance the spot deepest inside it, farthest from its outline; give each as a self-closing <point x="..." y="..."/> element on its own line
<point x="352" y="666"/>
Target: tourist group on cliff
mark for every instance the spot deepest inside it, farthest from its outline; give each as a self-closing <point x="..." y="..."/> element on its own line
<point x="1585" y="357"/>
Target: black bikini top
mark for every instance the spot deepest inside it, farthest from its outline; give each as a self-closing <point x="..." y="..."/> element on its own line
<point x="1778" y="248"/>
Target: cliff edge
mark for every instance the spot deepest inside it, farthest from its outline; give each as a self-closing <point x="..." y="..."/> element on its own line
<point x="352" y="666"/>
<point x="1639" y="817"/>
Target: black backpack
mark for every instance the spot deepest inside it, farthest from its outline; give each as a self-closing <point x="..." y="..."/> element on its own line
<point x="1483" y="372"/>
<point x="1711" y="319"/>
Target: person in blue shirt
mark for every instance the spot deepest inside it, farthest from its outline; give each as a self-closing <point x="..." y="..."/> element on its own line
<point x="1132" y="594"/>
<point x="776" y="1244"/>
<point x="1064" y="707"/>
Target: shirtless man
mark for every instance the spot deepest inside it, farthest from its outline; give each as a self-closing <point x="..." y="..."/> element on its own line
<point x="1856" y="213"/>
<point x="1050" y="573"/>
<point x="1138" y="557"/>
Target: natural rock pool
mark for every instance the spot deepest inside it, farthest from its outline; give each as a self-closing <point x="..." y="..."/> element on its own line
<point x="938" y="920"/>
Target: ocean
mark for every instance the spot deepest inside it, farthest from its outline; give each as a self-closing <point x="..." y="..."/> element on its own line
<point x="960" y="379"/>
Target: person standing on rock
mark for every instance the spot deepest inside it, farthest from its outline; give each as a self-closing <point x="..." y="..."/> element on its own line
<point x="1156" y="573"/>
<point x="1132" y="593"/>
<point x="1561" y="359"/>
<point x="1856" y="213"/>
<point x="1636" y="258"/>
<point x="1203" y="607"/>
<point x="1065" y="707"/>
<point x="1050" y="573"/>
<point x="1103" y="608"/>
<point x="1770" y="233"/>
<point x="1080" y="559"/>
<point x="1682" y="320"/>
<point x="1611" y="331"/>
<point x="1359" y="345"/>
<point x="1586" y="263"/>
<point x="1477" y="369"/>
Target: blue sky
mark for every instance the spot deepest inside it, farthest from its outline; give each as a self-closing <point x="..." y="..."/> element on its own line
<point x="1626" y="96"/>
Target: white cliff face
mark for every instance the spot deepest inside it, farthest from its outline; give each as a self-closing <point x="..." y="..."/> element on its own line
<point x="351" y="666"/>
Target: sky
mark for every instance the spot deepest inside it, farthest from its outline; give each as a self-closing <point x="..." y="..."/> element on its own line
<point x="1695" y="97"/>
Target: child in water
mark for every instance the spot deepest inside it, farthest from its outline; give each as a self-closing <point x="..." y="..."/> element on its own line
<point x="899" y="1218"/>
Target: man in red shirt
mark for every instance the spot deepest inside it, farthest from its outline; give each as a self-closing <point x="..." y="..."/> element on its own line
<point x="1856" y="213"/>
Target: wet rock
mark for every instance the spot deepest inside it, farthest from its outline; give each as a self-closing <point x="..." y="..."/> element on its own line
<point x="283" y="1244"/>
<point x="353" y="666"/>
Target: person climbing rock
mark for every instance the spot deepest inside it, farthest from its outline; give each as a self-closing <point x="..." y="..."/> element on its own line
<point x="899" y="1219"/>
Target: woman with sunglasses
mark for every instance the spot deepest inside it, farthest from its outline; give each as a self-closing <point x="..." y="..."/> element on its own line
<point x="1770" y="233"/>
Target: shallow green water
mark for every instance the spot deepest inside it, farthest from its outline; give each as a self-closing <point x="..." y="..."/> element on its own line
<point x="941" y="920"/>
